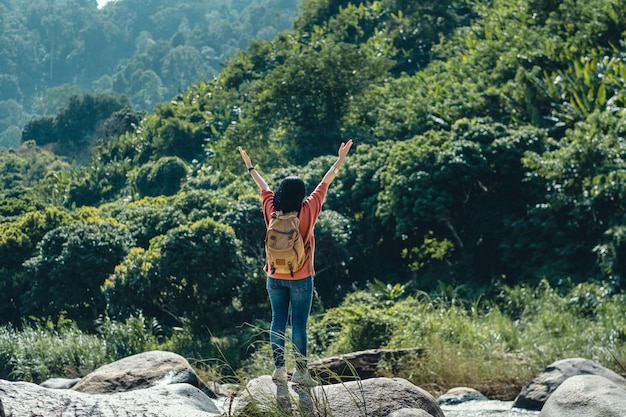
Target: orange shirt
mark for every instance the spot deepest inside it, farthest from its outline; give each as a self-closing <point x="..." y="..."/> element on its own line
<point x="309" y="213"/>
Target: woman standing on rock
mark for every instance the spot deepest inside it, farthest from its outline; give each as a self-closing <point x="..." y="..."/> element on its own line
<point x="292" y="292"/>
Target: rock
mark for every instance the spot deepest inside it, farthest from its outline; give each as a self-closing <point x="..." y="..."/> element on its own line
<point x="141" y="371"/>
<point x="586" y="396"/>
<point x="150" y="383"/>
<point x="263" y="396"/>
<point x="358" y="365"/>
<point x="23" y="399"/>
<point x="59" y="383"/>
<point x="376" y="397"/>
<point x="460" y="395"/>
<point x="409" y="412"/>
<point x="371" y="397"/>
<point x="534" y="395"/>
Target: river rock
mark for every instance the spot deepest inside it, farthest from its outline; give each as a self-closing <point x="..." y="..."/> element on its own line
<point x="24" y="399"/>
<point x="586" y="396"/>
<point x="139" y="371"/>
<point x="534" y="395"/>
<point x="409" y="412"/>
<point x="60" y="383"/>
<point x="371" y="397"/>
<point x="460" y="395"/>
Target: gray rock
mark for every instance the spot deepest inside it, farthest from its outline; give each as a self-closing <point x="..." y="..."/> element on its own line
<point x="23" y="399"/>
<point x="460" y="395"/>
<point x="409" y="412"/>
<point x="586" y="396"/>
<point x="264" y="396"/>
<point x="534" y="395"/>
<point x="141" y="371"/>
<point x="376" y="397"/>
<point x="59" y="383"/>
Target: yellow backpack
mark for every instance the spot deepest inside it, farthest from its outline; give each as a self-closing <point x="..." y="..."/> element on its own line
<point x="284" y="246"/>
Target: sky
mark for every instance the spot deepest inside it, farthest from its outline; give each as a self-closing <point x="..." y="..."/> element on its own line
<point x="101" y="3"/>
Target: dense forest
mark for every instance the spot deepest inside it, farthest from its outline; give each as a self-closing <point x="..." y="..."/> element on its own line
<point x="490" y="152"/>
<point x="148" y="51"/>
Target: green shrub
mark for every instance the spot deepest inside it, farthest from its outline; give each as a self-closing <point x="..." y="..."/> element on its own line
<point x="164" y="177"/>
<point x="495" y="347"/>
<point x="71" y="265"/>
<point x="38" y="352"/>
<point x="43" y="349"/>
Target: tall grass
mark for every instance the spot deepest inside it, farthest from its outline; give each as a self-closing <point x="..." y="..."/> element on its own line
<point x="42" y="349"/>
<point x="495" y="346"/>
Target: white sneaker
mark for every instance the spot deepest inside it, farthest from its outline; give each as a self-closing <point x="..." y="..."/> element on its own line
<point x="303" y="378"/>
<point x="280" y="374"/>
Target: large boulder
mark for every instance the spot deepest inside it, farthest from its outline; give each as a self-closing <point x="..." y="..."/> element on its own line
<point x="534" y="395"/>
<point x="23" y="399"/>
<point x="586" y="396"/>
<point x="149" y="383"/>
<point x="376" y="397"/>
<point x="372" y="397"/>
<point x="140" y="371"/>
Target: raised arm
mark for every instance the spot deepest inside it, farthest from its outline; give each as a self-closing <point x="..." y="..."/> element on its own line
<point x="258" y="179"/>
<point x="343" y="152"/>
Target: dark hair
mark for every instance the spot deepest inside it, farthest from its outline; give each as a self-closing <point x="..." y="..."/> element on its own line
<point x="290" y="195"/>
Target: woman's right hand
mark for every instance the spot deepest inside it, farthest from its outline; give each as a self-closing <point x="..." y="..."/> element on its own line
<point x="245" y="157"/>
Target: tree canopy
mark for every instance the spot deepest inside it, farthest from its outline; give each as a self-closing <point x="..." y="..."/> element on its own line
<point x="147" y="51"/>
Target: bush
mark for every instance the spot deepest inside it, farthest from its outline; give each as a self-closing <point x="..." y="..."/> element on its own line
<point x="191" y="275"/>
<point x="164" y="177"/>
<point x="45" y="349"/>
<point x="493" y="347"/>
<point x="39" y="351"/>
<point x="72" y="264"/>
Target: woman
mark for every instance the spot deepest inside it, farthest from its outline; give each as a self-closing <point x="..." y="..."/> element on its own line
<point x="293" y="292"/>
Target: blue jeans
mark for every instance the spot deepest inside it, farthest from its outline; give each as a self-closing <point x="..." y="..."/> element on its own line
<point x="295" y="297"/>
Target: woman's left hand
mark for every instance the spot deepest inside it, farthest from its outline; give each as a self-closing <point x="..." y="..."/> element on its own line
<point x="344" y="149"/>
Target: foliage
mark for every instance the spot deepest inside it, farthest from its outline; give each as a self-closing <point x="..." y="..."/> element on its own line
<point x="73" y="129"/>
<point x="71" y="265"/>
<point x="470" y="342"/>
<point x="189" y="275"/>
<point x="83" y="48"/>
<point x="583" y="183"/>
<point x="18" y="242"/>
<point x="447" y="196"/>
<point x="489" y="152"/>
<point x="136" y="334"/>
<point x="307" y="82"/>
<point x="146" y="218"/>
<point x="20" y="236"/>
<point x="46" y="349"/>
<point x="411" y="28"/>
<point x="23" y="168"/>
<point x="162" y="178"/>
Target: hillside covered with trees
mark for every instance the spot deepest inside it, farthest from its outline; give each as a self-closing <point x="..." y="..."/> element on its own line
<point x="146" y="50"/>
<point x="490" y="142"/>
